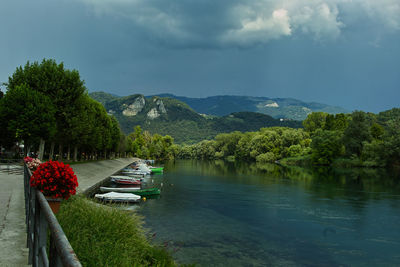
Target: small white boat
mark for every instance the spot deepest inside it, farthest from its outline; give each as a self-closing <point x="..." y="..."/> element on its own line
<point x="119" y="189"/>
<point x="138" y="174"/>
<point x="143" y="168"/>
<point x="125" y="180"/>
<point x="122" y="177"/>
<point x="134" y="172"/>
<point x="118" y="197"/>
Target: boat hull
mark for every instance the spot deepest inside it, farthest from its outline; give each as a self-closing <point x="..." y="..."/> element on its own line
<point x="157" y="170"/>
<point x="118" y="197"/>
<point x="119" y="189"/>
<point x="126" y="181"/>
<point x="148" y="192"/>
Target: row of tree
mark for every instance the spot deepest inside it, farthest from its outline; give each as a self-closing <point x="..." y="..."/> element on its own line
<point x="359" y="138"/>
<point x="46" y="103"/>
<point x="265" y="145"/>
<point x="144" y="145"/>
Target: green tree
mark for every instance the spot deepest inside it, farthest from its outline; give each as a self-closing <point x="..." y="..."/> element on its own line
<point x="314" y="121"/>
<point x="326" y="146"/>
<point x="373" y="153"/>
<point x="27" y="115"/>
<point x="329" y="122"/>
<point x="341" y="122"/>
<point x="356" y="133"/>
<point x="63" y="87"/>
<point x="377" y="131"/>
<point x="392" y="142"/>
<point x="268" y="157"/>
<point x="227" y="142"/>
<point x="243" y="147"/>
<point x="137" y="141"/>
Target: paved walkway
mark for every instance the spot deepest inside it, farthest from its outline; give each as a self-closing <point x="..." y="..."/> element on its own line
<point x="13" y="251"/>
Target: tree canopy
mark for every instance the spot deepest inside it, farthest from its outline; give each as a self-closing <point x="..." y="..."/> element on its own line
<point x="46" y="101"/>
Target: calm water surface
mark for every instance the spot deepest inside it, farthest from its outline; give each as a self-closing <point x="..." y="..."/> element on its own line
<point x="221" y="214"/>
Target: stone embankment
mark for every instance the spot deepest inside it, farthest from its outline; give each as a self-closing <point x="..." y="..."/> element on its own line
<point x="90" y="175"/>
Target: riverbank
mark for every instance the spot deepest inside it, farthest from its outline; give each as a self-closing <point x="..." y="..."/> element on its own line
<point x="109" y="236"/>
<point x="106" y="236"/>
<point x="91" y="174"/>
<point x="306" y="161"/>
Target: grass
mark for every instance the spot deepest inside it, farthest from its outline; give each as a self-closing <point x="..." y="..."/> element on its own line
<point x="107" y="236"/>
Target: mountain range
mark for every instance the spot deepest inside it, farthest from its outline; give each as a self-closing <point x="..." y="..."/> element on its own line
<point x="280" y="108"/>
<point x="168" y="115"/>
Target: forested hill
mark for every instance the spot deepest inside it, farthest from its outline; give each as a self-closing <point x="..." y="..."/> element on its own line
<point x="286" y="108"/>
<point x="164" y="115"/>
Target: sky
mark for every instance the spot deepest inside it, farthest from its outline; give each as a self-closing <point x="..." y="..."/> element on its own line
<point x="338" y="52"/>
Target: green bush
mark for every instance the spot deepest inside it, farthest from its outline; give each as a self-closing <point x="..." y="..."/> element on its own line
<point x="294" y="150"/>
<point x="266" y="157"/>
<point x="107" y="236"/>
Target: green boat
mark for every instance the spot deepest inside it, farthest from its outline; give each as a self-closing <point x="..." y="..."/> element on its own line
<point x="157" y="169"/>
<point x="147" y="192"/>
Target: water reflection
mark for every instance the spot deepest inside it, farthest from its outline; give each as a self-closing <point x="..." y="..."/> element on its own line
<point x="364" y="183"/>
<point x="242" y="214"/>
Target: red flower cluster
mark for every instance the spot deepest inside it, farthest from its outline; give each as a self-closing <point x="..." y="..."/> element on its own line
<point x="55" y="179"/>
<point x="28" y="159"/>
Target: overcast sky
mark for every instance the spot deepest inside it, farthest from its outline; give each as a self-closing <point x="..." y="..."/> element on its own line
<point x="338" y="52"/>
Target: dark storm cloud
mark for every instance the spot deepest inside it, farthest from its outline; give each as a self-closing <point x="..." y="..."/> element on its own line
<point x="338" y="52"/>
<point x="224" y="23"/>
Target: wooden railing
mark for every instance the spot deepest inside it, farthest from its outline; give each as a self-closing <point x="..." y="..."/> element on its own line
<point x="40" y="220"/>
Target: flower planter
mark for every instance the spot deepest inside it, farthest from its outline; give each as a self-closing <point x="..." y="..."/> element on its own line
<point x="55" y="180"/>
<point x="54" y="204"/>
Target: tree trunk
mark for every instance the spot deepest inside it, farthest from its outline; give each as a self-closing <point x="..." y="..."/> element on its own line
<point x="60" y="152"/>
<point x="76" y="153"/>
<point x="105" y="154"/>
<point x="28" y="150"/>
<point x="41" y="149"/>
<point x="25" y="149"/>
<point x="52" y="151"/>
<point x="69" y="152"/>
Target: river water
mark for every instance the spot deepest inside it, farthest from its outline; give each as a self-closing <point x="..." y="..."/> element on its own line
<point x="240" y="214"/>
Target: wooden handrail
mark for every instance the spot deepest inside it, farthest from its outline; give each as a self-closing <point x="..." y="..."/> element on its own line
<point x="40" y="219"/>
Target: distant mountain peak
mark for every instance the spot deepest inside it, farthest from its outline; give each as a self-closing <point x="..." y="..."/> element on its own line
<point x="221" y="105"/>
<point x="169" y="115"/>
<point x="285" y="108"/>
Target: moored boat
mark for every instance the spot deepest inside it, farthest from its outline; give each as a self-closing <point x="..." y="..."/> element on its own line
<point x="118" y="197"/>
<point x="125" y="180"/>
<point x="119" y="189"/>
<point x="134" y="175"/>
<point x="156" y="169"/>
<point x="135" y="172"/>
<point x="148" y="192"/>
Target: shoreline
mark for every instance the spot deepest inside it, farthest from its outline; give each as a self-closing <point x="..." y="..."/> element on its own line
<point x="90" y="175"/>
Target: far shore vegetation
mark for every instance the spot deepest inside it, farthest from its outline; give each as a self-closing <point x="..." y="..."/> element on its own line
<point x="358" y="139"/>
